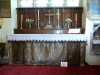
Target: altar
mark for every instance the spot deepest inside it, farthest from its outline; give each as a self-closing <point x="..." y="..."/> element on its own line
<point x="47" y="49"/>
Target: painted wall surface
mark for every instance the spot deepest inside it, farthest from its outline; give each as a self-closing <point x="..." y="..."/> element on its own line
<point x="90" y="58"/>
<point x="8" y="24"/>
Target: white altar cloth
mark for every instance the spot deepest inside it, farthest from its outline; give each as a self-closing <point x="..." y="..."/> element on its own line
<point x="47" y="37"/>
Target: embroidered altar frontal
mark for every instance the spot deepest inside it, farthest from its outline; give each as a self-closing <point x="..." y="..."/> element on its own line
<point x="46" y="52"/>
<point x="46" y="49"/>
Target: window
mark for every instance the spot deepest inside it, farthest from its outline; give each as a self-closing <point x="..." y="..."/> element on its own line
<point x="48" y="3"/>
<point x="93" y="8"/>
<point x="26" y="3"/>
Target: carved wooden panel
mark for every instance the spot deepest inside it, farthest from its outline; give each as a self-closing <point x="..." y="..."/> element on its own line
<point x="49" y="18"/>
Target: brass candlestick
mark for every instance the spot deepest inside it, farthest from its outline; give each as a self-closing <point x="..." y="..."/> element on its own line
<point x="38" y="19"/>
<point x="76" y="16"/>
<point x="58" y="15"/>
<point x="21" y="27"/>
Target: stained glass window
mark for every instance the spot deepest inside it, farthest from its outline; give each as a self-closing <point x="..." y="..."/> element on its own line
<point x="93" y="7"/>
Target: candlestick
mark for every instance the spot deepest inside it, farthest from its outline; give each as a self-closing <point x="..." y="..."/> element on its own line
<point x="38" y="19"/>
<point x="49" y="17"/>
<point x="58" y="14"/>
<point x="63" y="18"/>
<point x="21" y="27"/>
<point x="76" y="20"/>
